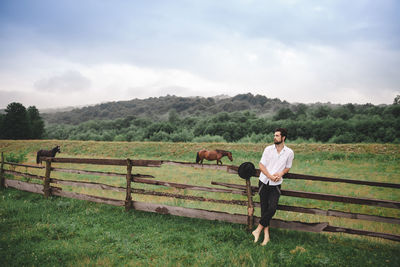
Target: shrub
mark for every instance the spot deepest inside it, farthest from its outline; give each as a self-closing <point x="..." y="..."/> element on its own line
<point x="257" y="138"/>
<point x="342" y="139"/>
<point x="15" y="157"/>
<point x="209" y="138"/>
<point x="160" y="136"/>
<point x="182" y="136"/>
<point x="121" y="137"/>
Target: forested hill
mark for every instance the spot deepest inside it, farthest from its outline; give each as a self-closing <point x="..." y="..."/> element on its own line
<point x="242" y="118"/>
<point x="159" y="107"/>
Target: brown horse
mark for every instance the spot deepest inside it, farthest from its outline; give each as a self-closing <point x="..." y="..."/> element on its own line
<point x="212" y="155"/>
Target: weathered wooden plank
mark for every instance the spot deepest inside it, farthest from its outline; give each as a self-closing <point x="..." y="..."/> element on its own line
<point x="24" y="165"/>
<point x="185" y="186"/>
<point x="298" y="226"/>
<point x="340" y="180"/>
<point x="69" y="194"/>
<point x="344" y="199"/>
<point x="223" y="216"/>
<point x="250" y="206"/>
<point x="146" y="163"/>
<point x="187" y="197"/>
<point x="122" y="175"/>
<point x="191" y="213"/>
<point x="128" y="198"/>
<point x="329" y="197"/>
<point x="235" y="186"/>
<point x="46" y="181"/>
<point x="2" y="177"/>
<point x="24" y="174"/>
<point x="234" y="170"/>
<point x="88" y="185"/>
<point x="24" y="186"/>
<point x="335" y="229"/>
<point x="337" y="213"/>
<point x="116" y="162"/>
<point x="196" y="165"/>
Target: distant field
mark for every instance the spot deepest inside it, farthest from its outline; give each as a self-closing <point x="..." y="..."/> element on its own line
<point x="372" y="162"/>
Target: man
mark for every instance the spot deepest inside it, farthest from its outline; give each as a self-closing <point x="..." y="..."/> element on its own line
<point x="275" y="162"/>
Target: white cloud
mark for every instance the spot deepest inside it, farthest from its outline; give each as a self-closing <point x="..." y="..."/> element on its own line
<point x="122" y="81"/>
<point x="67" y="82"/>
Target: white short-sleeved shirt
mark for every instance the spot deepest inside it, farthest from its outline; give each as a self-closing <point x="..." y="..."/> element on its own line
<point x="275" y="162"/>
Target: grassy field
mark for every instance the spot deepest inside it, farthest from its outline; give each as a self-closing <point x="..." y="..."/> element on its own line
<point x="62" y="231"/>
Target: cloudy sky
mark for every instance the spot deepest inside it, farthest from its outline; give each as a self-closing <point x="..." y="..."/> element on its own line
<point x="77" y="52"/>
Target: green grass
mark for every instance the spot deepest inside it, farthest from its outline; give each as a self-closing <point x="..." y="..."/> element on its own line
<point x="64" y="227"/>
<point x="66" y="232"/>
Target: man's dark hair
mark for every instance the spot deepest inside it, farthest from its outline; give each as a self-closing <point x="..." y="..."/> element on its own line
<point x="283" y="132"/>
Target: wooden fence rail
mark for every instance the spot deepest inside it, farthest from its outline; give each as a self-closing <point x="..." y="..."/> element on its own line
<point x="246" y="190"/>
<point x="315" y="211"/>
<point x="229" y="168"/>
<point x="319" y="196"/>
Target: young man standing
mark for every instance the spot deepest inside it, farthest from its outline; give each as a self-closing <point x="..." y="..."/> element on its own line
<point x="275" y="162"/>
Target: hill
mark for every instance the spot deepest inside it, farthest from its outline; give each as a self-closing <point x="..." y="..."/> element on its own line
<point x="159" y="107"/>
<point x="242" y="118"/>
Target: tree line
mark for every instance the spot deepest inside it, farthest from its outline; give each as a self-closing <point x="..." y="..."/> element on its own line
<point x="21" y="123"/>
<point x="158" y="108"/>
<point x="348" y="123"/>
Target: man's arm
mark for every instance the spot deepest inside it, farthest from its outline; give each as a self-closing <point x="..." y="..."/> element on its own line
<point x="264" y="170"/>
<point x="279" y="175"/>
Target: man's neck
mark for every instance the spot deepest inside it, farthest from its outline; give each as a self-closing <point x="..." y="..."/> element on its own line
<point x="279" y="147"/>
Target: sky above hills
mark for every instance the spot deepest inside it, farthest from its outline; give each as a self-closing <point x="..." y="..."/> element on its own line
<point x="71" y="53"/>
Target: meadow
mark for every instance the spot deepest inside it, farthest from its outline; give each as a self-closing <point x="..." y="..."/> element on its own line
<point x="61" y="231"/>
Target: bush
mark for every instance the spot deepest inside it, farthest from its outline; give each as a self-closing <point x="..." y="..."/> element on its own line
<point x="299" y="140"/>
<point x="182" y="136"/>
<point x="345" y="138"/>
<point x="257" y="138"/>
<point x="15" y="157"/>
<point x="209" y="139"/>
<point x="160" y="136"/>
<point x="121" y="137"/>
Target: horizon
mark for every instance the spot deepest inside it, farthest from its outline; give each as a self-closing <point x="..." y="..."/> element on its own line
<point x="70" y="107"/>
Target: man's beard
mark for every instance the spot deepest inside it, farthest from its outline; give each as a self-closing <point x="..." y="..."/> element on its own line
<point x="277" y="143"/>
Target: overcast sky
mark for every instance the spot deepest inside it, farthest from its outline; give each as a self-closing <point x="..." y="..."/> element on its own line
<point x="69" y="53"/>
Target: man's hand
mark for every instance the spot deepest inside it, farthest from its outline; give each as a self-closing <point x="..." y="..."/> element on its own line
<point x="274" y="177"/>
<point x="277" y="176"/>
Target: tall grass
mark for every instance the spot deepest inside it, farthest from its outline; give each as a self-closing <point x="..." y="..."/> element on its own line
<point x="68" y="232"/>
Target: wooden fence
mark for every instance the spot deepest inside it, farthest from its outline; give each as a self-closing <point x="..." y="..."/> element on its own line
<point x="47" y="189"/>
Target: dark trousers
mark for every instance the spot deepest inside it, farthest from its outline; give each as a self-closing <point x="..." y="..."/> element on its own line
<point x="269" y="197"/>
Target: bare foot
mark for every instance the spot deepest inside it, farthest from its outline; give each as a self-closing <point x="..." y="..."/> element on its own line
<point x="266" y="239"/>
<point x="256" y="235"/>
<point x="265" y="242"/>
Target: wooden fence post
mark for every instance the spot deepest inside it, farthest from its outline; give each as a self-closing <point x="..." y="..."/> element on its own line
<point x="2" y="183"/>
<point x="250" y="206"/>
<point x="128" y="199"/>
<point x="46" y="182"/>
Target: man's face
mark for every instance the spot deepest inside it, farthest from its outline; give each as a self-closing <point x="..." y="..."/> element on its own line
<point x="277" y="138"/>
